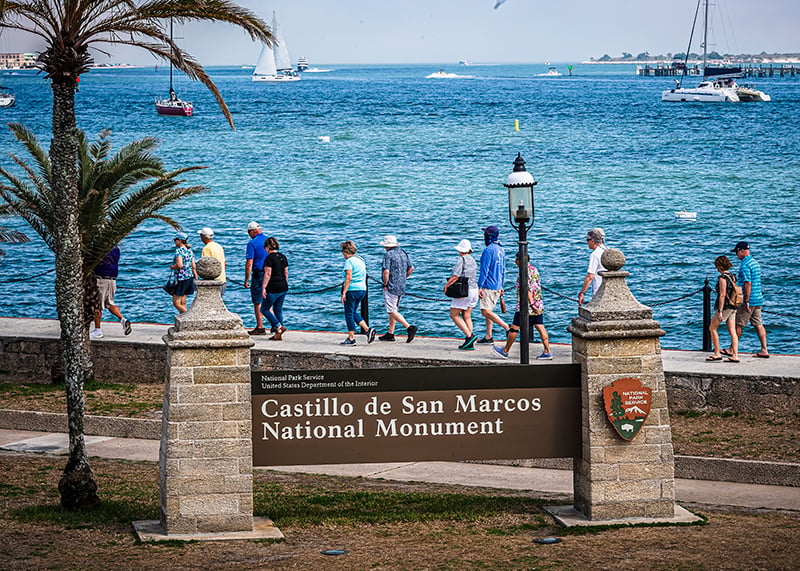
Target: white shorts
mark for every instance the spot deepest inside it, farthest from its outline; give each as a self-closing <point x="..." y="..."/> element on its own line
<point x="466" y="302"/>
<point x="391" y="301"/>
<point x="490" y="298"/>
<point x="107" y="288"/>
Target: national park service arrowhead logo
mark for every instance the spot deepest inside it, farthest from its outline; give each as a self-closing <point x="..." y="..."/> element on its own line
<point x="627" y="405"/>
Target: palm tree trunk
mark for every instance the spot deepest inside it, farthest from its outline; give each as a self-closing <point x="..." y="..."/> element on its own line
<point x="77" y="486"/>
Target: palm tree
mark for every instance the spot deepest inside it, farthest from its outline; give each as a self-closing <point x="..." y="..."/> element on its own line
<point x="69" y="30"/>
<point x="115" y="195"/>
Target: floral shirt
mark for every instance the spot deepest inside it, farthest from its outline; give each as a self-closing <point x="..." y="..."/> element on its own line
<point x="535" y="286"/>
<point x="185" y="253"/>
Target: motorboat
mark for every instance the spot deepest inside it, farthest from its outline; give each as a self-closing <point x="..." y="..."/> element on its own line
<point x="273" y="64"/>
<point x="7" y="97"/>
<point x="685" y="215"/>
<point x="749" y="93"/>
<point x="718" y="84"/>
<point x="173" y="105"/>
<point x="552" y="72"/>
<point x="302" y="64"/>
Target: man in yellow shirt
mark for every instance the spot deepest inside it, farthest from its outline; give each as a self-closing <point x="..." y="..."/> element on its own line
<point x="213" y="250"/>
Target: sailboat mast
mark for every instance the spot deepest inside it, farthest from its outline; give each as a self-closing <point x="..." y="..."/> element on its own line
<point x="705" y="40"/>
<point x="170" y="53"/>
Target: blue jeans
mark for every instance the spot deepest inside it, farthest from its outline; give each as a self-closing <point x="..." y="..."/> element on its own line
<point x="352" y="300"/>
<point x="274" y="301"/>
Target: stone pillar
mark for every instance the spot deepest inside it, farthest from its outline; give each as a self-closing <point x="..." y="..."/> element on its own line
<point x="613" y="338"/>
<point x="206" y="458"/>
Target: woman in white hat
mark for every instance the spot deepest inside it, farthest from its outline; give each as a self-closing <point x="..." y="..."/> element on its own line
<point x="185" y="271"/>
<point x="461" y="307"/>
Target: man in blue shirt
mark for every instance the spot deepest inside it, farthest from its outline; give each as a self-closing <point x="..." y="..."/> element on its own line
<point x="106" y="273"/>
<point x="750" y="310"/>
<point x="254" y="265"/>
<point x="491" y="280"/>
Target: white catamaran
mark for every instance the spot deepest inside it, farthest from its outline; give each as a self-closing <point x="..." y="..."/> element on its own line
<point x="273" y="63"/>
<point x="718" y="83"/>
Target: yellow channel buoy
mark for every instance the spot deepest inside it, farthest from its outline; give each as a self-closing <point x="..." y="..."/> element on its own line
<point x="516" y="125"/>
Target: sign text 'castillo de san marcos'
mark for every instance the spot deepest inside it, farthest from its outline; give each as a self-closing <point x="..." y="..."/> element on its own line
<point x="415" y="414"/>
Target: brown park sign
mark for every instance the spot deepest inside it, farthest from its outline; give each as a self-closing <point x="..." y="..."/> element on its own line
<point x="343" y="416"/>
<point x="627" y="406"/>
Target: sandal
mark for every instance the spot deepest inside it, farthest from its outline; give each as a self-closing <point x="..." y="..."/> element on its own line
<point x="731" y="360"/>
<point x="713" y="358"/>
<point x="760" y="356"/>
<point x="726" y="352"/>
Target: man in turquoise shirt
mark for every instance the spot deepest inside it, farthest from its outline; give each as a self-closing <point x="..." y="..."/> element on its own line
<point x="750" y="310"/>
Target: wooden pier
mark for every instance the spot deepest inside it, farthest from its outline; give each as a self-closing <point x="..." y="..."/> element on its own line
<point x="748" y="70"/>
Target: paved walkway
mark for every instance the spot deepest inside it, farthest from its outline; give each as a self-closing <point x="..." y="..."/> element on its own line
<point x="557" y="482"/>
<point x="423" y="348"/>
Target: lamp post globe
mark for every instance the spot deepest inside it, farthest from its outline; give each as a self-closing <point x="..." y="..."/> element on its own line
<point x="520" y="185"/>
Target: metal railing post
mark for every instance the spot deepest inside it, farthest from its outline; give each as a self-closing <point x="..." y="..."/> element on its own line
<point x="706" y="317"/>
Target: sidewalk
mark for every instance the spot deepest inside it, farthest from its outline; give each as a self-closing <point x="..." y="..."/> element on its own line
<point x="423" y="348"/>
<point x="555" y="482"/>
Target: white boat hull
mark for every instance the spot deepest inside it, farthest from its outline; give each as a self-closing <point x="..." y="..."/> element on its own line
<point x="276" y="78"/>
<point x="7" y="100"/>
<point x="701" y="94"/>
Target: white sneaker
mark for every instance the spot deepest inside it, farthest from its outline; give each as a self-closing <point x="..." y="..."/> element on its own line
<point x="96" y="334"/>
<point x="126" y="326"/>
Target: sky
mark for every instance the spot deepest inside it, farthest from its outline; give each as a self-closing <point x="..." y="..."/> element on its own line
<point x="443" y="31"/>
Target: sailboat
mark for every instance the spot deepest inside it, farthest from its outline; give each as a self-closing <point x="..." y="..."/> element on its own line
<point x="173" y="105"/>
<point x="7" y="97"/>
<point x="273" y="63"/>
<point x="718" y="84"/>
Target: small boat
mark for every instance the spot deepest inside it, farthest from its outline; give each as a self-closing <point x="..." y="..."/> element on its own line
<point x="173" y="105"/>
<point x="551" y="72"/>
<point x="7" y="97"/>
<point x="464" y="62"/>
<point x="749" y="93"/>
<point x="685" y="215"/>
<point x="273" y="64"/>
<point x="302" y="64"/>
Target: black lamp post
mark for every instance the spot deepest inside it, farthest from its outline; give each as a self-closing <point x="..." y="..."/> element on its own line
<point x="520" y="185"/>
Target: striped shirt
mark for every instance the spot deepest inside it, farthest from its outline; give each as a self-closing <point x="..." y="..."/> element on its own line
<point x="750" y="271"/>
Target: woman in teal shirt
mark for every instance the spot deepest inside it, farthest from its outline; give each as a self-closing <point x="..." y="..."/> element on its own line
<point x="354" y="290"/>
<point x="185" y="272"/>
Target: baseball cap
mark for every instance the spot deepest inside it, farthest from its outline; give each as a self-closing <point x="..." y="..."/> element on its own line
<point x="741" y="246"/>
<point x="253" y="226"/>
<point x="208" y="232"/>
<point x="181" y="236"/>
<point x="492" y="230"/>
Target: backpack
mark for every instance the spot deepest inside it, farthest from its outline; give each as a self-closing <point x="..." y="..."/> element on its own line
<point x="734" y="293"/>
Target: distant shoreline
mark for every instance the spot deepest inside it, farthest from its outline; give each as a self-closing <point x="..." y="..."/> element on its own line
<point x="755" y="60"/>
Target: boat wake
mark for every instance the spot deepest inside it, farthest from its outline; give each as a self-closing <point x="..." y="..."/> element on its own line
<point x="444" y="75"/>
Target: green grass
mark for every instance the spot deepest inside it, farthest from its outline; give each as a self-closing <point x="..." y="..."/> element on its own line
<point x="314" y="506"/>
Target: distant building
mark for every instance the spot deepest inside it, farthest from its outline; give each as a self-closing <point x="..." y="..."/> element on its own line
<point x="17" y="61"/>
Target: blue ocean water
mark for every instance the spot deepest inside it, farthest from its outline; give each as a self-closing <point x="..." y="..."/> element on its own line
<point x="426" y="159"/>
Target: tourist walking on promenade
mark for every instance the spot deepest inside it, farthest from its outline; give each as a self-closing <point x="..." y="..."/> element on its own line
<point x="461" y="307"/>
<point x="724" y="312"/>
<point x="212" y="249"/>
<point x="750" y="310"/>
<point x="596" y="240"/>
<point x="185" y="271"/>
<point x="397" y="268"/>
<point x="274" y="287"/>
<point x="354" y="289"/>
<point x="106" y="273"/>
<point x="535" y="317"/>
<point x="490" y="282"/>
<point x="254" y="268"/>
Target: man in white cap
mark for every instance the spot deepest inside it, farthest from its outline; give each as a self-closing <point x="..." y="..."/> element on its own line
<point x="255" y="256"/>
<point x="596" y="240"/>
<point x="397" y="268"/>
<point x="212" y="249"/>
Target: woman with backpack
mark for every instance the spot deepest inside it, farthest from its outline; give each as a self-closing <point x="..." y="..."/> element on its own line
<point x="724" y="310"/>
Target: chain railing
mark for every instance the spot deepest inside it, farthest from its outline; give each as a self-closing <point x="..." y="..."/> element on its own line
<point x="706" y="290"/>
